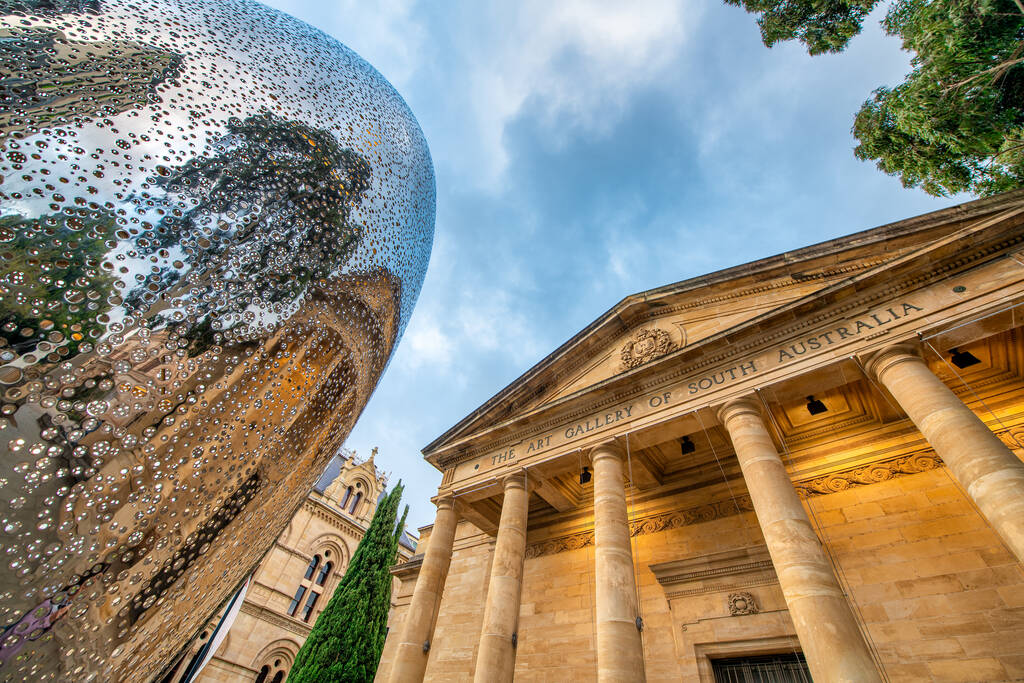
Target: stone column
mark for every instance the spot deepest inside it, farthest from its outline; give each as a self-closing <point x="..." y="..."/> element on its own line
<point x="410" y="661"/>
<point x="828" y="632"/>
<point x="620" y="653"/>
<point x="989" y="471"/>
<point x="496" y="659"/>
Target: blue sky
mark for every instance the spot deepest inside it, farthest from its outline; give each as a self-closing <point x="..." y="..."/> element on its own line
<point x="586" y="150"/>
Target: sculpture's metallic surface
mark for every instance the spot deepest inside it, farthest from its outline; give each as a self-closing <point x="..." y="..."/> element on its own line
<point x="214" y="223"/>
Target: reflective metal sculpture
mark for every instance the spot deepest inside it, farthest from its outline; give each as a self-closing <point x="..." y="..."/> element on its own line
<point x="214" y="223"/>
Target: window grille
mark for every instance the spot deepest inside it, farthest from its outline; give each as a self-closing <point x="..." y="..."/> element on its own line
<point x="782" y="668"/>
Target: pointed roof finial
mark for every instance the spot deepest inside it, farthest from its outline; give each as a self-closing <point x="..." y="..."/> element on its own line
<point x="373" y="453"/>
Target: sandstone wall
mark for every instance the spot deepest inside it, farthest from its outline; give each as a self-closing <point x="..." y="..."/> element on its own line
<point x="942" y="599"/>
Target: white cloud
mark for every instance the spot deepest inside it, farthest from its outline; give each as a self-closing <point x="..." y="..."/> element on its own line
<point x="579" y="60"/>
<point x="427" y="344"/>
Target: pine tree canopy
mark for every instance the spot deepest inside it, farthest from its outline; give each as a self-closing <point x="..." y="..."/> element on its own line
<point x="348" y="636"/>
<point x="956" y="124"/>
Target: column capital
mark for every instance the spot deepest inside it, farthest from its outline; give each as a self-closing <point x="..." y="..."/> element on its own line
<point x="745" y="405"/>
<point x="516" y="479"/>
<point x="445" y="501"/>
<point x="608" y="449"/>
<point x="880" y="361"/>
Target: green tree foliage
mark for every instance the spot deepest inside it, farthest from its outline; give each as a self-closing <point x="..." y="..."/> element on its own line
<point x="52" y="284"/>
<point x="956" y="124"/>
<point x="821" y="25"/>
<point x="348" y="637"/>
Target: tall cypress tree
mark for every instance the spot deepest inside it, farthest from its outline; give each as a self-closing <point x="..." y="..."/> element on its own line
<point x="348" y="637"/>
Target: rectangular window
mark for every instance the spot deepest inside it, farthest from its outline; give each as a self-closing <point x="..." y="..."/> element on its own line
<point x="783" y="668"/>
<point x="308" y="609"/>
<point x="296" y="600"/>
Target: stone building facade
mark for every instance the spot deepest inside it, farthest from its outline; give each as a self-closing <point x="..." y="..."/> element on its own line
<point x="809" y="464"/>
<point x="296" y="579"/>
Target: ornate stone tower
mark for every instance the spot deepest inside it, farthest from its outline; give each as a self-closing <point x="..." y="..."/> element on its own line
<point x="296" y="579"/>
<point x="357" y="487"/>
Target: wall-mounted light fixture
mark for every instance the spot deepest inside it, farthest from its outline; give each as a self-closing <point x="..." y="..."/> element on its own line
<point x="815" y="407"/>
<point x="963" y="359"/>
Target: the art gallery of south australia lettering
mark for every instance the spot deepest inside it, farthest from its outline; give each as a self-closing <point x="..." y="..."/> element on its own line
<point x="214" y="225"/>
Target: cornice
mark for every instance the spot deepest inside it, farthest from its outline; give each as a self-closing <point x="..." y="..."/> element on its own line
<point x="287" y="623"/>
<point x="762" y="339"/>
<point x="715" y="572"/>
<point x="338" y="520"/>
<point x="748" y="582"/>
<point x="410" y="568"/>
<point x="787" y="281"/>
<point x="260" y="589"/>
<point x="293" y="551"/>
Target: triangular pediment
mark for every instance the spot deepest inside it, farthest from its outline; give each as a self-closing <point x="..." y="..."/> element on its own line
<point x="675" y="320"/>
<point x="652" y="325"/>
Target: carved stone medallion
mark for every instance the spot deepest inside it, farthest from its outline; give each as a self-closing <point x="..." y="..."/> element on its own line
<point x="646" y="345"/>
<point x="742" y="603"/>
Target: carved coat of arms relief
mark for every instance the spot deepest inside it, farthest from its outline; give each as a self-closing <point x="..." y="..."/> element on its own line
<point x="645" y="346"/>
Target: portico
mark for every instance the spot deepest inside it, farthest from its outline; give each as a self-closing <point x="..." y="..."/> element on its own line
<point x="790" y="458"/>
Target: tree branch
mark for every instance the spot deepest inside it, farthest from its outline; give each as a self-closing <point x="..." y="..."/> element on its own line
<point x="998" y="69"/>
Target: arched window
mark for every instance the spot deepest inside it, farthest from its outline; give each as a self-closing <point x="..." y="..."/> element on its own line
<point x="348" y="494"/>
<point x="355" y="503"/>
<point x="313" y="564"/>
<point x="324" y="572"/>
<point x="273" y="672"/>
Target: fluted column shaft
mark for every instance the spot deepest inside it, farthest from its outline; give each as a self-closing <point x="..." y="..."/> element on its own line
<point x="620" y="655"/>
<point x="410" y="659"/>
<point x="832" y="643"/>
<point x="496" y="658"/>
<point x="989" y="471"/>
